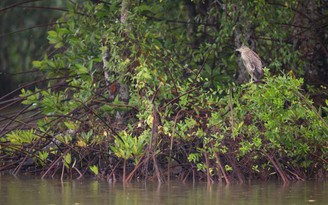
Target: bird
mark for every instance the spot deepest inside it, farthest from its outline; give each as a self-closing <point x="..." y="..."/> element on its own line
<point x="252" y="63"/>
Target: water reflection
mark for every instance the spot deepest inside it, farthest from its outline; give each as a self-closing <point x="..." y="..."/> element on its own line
<point x="28" y="191"/>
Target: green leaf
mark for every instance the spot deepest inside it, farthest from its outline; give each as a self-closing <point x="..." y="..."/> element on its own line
<point x="94" y="169"/>
<point x="81" y="69"/>
<point x="37" y="64"/>
<point x="67" y="160"/>
<point x="70" y="125"/>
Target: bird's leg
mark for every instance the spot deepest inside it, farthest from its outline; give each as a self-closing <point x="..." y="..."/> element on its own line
<point x="251" y="78"/>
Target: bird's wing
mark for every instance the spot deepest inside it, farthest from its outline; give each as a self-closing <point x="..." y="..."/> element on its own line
<point x="256" y="65"/>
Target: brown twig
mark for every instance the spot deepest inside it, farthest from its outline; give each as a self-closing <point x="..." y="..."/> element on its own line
<point x="171" y="142"/>
<point x="55" y="162"/>
<point x="141" y="162"/>
<point x="176" y="98"/>
<point x="124" y="171"/>
<point x="17" y="4"/>
<point x="278" y="168"/>
<point x="30" y="28"/>
<point x="221" y="168"/>
<point x="208" y="175"/>
<point x="158" y="174"/>
<point x="231" y="111"/>
<point x="102" y="120"/>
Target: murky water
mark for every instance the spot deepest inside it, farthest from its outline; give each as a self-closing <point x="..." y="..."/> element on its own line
<point x="31" y="191"/>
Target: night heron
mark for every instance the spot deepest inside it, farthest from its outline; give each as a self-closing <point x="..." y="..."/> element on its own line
<point x="252" y="62"/>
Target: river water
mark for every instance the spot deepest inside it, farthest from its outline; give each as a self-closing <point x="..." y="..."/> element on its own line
<point x="34" y="191"/>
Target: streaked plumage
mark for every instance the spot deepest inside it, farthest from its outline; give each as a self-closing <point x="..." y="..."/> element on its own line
<point x="252" y="63"/>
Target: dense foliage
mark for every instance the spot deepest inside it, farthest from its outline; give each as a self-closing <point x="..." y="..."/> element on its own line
<point x="154" y="97"/>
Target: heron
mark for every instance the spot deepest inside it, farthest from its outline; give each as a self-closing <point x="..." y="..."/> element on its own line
<point x="252" y="63"/>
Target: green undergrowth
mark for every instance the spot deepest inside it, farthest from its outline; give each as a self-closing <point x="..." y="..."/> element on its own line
<point x="181" y="121"/>
<point x="252" y="131"/>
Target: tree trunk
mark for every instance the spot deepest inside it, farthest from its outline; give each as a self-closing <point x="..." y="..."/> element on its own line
<point x="124" y="91"/>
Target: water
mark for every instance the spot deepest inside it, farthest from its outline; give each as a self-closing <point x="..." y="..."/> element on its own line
<point x="31" y="191"/>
